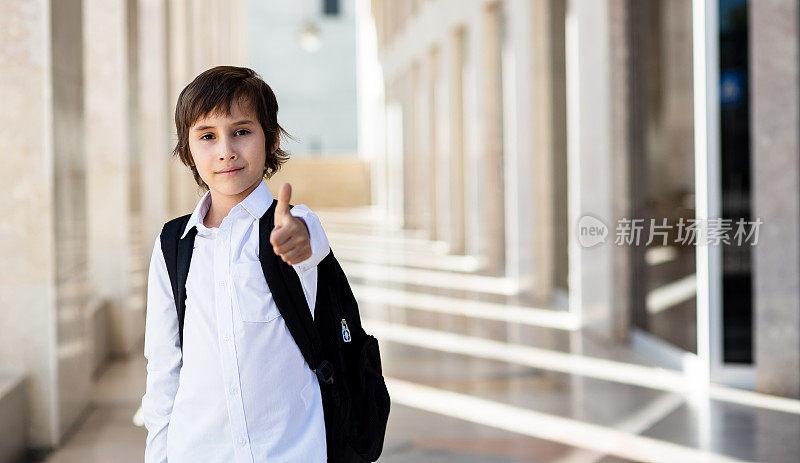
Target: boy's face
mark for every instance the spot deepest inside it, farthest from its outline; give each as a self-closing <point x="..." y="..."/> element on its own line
<point x="219" y="143"/>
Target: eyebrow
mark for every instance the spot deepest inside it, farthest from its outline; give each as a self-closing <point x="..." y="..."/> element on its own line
<point x="206" y="127"/>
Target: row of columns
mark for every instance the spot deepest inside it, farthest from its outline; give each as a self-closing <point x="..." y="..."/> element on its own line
<point x="491" y="105"/>
<point x="89" y="89"/>
<point x="476" y="171"/>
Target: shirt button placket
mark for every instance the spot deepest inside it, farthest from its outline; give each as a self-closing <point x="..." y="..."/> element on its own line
<point x="227" y="348"/>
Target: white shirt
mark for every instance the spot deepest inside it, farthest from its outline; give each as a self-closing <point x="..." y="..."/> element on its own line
<point x="241" y="390"/>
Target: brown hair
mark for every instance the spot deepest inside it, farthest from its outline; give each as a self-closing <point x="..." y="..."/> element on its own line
<point x="213" y="92"/>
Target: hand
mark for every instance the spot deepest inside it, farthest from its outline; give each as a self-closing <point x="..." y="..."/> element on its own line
<point x="290" y="238"/>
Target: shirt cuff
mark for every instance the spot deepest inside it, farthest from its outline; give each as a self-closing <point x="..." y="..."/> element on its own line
<point x="319" y="241"/>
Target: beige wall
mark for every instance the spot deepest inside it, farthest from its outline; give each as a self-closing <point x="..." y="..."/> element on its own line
<point x="325" y="182"/>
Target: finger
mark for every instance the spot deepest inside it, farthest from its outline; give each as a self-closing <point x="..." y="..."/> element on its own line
<point x="297" y="255"/>
<point x="293" y="243"/>
<point x="282" y="209"/>
<point x="278" y="236"/>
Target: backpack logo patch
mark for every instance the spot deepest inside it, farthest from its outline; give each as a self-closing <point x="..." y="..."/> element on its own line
<point x="345" y="331"/>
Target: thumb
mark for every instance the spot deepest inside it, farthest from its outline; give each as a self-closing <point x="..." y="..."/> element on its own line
<point x="282" y="209"/>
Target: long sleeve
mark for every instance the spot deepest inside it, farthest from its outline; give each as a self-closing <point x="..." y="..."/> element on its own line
<point x="164" y="359"/>
<point x="320" y="247"/>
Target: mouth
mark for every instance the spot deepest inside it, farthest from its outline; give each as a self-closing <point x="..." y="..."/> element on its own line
<point x="230" y="172"/>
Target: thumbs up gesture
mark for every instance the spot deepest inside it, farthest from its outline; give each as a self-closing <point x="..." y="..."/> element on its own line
<point x="290" y="238"/>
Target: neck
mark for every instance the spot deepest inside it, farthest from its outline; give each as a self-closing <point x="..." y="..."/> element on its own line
<point x="221" y="205"/>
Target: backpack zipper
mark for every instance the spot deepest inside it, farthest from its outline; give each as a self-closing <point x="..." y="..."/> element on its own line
<point x="345" y="331"/>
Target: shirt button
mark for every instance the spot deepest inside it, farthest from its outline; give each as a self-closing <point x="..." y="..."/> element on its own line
<point x="233" y="391"/>
<point x="242" y="441"/>
<point x="226" y="338"/>
<point x="222" y="283"/>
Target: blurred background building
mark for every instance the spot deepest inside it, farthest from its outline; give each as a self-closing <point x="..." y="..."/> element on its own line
<point x="461" y="155"/>
<point x="306" y="51"/>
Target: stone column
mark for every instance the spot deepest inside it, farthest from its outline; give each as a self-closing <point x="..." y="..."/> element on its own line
<point x="240" y="45"/>
<point x="43" y="291"/>
<point x="491" y="202"/>
<point x="558" y="127"/>
<point x="472" y="118"/>
<point x="198" y="33"/>
<point x="112" y="214"/>
<point x="441" y="152"/>
<point x="423" y="177"/>
<point x="178" y="60"/>
<point x="430" y="138"/>
<point x="183" y="192"/>
<point x="451" y="137"/>
<point x="155" y="116"/>
<point x="591" y="275"/>
<point x="775" y="120"/>
<point x="624" y="145"/>
<point x="371" y="104"/>
<point x="548" y="144"/>
<point x="395" y="158"/>
<point x="485" y="187"/>
<point x="409" y="79"/>
<point x="422" y="164"/>
<point x="529" y="146"/>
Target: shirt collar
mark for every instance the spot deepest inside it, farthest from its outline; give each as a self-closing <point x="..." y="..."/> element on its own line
<point x="256" y="204"/>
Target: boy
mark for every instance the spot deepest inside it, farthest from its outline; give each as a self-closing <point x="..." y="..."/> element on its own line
<point x="236" y="388"/>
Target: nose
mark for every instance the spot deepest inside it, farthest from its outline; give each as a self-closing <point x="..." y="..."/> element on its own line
<point x="227" y="152"/>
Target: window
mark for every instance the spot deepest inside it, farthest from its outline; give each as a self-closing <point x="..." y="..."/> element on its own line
<point x="330" y="7"/>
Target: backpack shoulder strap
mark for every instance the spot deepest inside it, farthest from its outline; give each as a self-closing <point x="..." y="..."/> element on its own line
<point x="177" y="255"/>
<point x="287" y="291"/>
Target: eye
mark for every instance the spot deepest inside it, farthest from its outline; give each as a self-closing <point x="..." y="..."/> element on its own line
<point x="203" y="137"/>
<point x="242" y="130"/>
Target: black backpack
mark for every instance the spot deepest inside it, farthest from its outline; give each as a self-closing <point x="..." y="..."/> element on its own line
<point x="345" y="358"/>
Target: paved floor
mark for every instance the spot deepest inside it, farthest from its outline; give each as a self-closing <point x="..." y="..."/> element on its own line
<point x="478" y="374"/>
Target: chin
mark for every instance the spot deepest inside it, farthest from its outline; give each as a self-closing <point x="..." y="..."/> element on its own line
<point x="231" y="187"/>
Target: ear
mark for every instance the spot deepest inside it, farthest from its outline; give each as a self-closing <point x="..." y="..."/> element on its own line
<point x="277" y="143"/>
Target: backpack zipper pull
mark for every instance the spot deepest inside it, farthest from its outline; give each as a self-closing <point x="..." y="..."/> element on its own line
<point x="345" y="331"/>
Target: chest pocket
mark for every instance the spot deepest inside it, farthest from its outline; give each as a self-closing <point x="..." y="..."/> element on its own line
<point x="253" y="297"/>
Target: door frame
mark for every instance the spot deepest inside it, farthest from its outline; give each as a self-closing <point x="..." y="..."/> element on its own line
<point x="708" y="199"/>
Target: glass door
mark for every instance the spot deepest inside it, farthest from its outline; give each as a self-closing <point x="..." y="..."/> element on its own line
<point x="662" y="174"/>
<point x="732" y="354"/>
